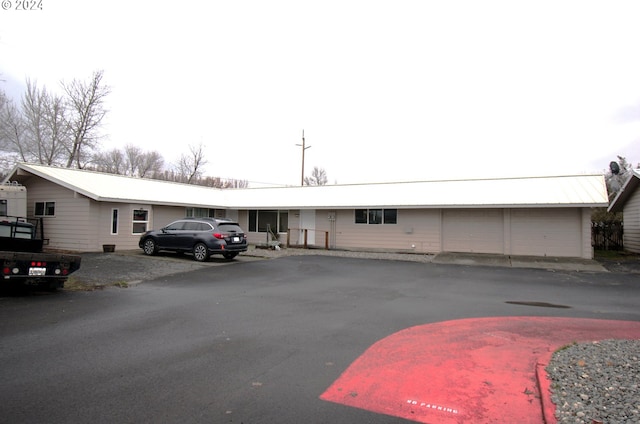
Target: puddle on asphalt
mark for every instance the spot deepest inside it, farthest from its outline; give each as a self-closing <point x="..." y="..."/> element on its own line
<point x="539" y="304"/>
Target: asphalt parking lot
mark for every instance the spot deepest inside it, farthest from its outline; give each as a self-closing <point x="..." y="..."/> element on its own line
<point x="132" y="267"/>
<point x="254" y="340"/>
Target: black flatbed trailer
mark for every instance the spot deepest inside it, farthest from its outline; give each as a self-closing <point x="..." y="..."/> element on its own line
<point x="22" y="259"/>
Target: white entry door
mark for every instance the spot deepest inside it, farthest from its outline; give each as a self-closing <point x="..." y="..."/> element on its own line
<point x="308" y="222"/>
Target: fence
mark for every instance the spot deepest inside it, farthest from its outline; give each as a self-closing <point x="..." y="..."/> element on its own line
<point x="292" y="233"/>
<point x="607" y="235"/>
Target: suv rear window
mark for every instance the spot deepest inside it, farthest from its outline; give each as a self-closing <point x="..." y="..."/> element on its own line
<point x="229" y="227"/>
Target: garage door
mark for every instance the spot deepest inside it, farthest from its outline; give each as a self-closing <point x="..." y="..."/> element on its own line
<point x="550" y="232"/>
<point x="473" y="230"/>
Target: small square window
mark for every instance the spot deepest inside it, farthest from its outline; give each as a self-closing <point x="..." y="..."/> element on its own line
<point x="375" y="216"/>
<point x="140" y="221"/>
<point x="140" y="215"/>
<point x="45" y="209"/>
<point x="390" y="216"/>
<point x="361" y="216"/>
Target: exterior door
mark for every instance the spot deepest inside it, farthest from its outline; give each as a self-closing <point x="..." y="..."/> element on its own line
<point x="308" y="223"/>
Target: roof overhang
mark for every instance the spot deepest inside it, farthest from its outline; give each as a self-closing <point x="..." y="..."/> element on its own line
<point x="628" y="188"/>
<point x="581" y="191"/>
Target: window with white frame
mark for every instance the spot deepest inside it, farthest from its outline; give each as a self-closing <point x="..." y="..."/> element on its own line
<point x="275" y="220"/>
<point x="45" y="209"/>
<point x="140" y="220"/>
<point x="114" y="221"/>
<point x="200" y="213"/>
<point x="376" y="216"/>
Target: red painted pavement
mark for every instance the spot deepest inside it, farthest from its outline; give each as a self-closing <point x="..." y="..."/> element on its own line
<point x="467" y="371"/>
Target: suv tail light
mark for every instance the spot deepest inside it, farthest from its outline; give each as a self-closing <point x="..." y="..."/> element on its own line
<point x="219" y="236"/>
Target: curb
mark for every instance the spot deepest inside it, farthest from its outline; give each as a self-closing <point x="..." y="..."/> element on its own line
<point x="544" y="388"/>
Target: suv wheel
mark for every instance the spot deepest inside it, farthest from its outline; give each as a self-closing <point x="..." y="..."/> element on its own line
<point x="230" y="255"/>
<point x="200" y="252"/>
<point x="149" y="247"/>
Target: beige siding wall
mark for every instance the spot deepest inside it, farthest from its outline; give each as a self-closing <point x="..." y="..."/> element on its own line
<point x="103" y="225"/>
<point x="417" y="230"/>
<point x="70" y="228"/>
<point x="631" y="216"/>
<point x="243" y="220"/>
<point x="125" y="239"/>
<point x="561" y="232"/>
<point x="84" y="225"/>
<point x="163" y="216"/>
<point x="547" y="232"/>
<point x="587" y="248"/>
<point x="473" y="230"/>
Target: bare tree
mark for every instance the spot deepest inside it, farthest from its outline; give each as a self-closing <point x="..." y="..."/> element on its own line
<point x="132" y="155"/>
<point x="189" y="167"/>
<point x="86" y="111"/>
<point x="233" y="183"/>
<point x="33" y="104"/>
<point x="130" y="161"/>
<point x="112" y="162"/>
<point x="318" y="177"/>
<point x="150" y="164"/>
<point x="57" y="130"/>
<point x="37" y="130"/>
<point x="218" y="182"/>
<point x="12" y="131"/>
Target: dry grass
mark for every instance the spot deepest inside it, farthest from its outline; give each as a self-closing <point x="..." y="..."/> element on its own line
<point x="75" y="284"/>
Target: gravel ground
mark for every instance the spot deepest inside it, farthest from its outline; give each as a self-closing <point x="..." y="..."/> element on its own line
<point x="103" y="269"/>
<point x="597" y="382"/>
<point x="133" y="265"/>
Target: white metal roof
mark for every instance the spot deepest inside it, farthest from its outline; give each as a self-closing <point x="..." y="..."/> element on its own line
<point x="586" y="190"/>
<point x="118" y="188"/>
<point x="562" y="191"/>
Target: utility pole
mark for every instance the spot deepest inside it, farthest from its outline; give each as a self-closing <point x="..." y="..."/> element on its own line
<point x="304" y="147"/>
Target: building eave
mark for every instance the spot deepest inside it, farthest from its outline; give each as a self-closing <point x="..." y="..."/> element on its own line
<point x="628" y="188"/>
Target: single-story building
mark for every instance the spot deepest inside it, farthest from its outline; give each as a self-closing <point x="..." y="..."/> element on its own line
<point x="540" y="216"/>
<point x="627" y="201"/>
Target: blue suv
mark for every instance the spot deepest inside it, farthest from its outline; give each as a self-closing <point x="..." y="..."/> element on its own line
<point x="201" y="236"/>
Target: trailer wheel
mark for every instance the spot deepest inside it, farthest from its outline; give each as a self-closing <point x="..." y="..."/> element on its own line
<point x="149" y="247"/>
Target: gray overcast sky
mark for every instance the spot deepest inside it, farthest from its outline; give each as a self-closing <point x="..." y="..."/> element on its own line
<point x="384" y="90"/>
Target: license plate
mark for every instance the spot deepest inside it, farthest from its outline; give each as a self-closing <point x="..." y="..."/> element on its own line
<point x="37" y="271"/>
<point x="236" y="239"/>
